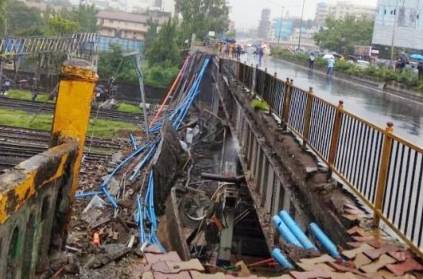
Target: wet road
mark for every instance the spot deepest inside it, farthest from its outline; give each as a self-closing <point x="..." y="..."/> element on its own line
<point x="373" y="107"/>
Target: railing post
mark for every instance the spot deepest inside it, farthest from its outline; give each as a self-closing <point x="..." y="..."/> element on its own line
<point x="272" y="91"/>
<point x="336" y="133"/>
<point x="220" y="64"/>
<point x="253" y="86"/>
<point x="238" y="75"/>
<point x="73" y="108"/>
<point x="383" y="173"/>
<point x="307" y="117"/>
<point x="286" y="103"/>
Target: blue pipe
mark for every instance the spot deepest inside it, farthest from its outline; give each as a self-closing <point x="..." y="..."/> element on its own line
<point x="280" y="258"/>
<point x="80" y="195"/>
<point x="296" y="230"/>
<point x="329" y="246"/>
<point x="284" y="231"/>
<point x="133" y="142"/>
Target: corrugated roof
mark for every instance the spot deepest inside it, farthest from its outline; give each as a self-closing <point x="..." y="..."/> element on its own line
<point x="122" y="16"/>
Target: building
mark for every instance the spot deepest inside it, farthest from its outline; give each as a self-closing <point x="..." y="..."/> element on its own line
<point x="340" y="10"/>
<point x="264" y="28"/>
<point x="322" y="12"/>
<point x="343" y="9"/>
<point x="42" y="6"/>
<point x="126" y="29"/>
<point x="400" y="25"/>
<point x="160" y="5"/>
<point x="282" y="29"/>
<point x="307" y="36"/>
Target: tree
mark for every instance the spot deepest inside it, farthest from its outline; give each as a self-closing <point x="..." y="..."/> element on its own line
<point x="201" y="16"/>
<point x="164" y="49"/>
<point x="113" y="64"/>
<point x="58" y="25"/>
<point x="20" y="20"/>
<point x="2" y="15"/>
<point x="85" y="15"/>
<point x="343" y="34"/>
<point x="151" y="34"/>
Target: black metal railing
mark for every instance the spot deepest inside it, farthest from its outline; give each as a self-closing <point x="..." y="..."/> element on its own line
<point x="385" y="171"/>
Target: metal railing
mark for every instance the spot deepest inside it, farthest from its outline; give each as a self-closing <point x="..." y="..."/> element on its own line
<point x="385" y="171"/>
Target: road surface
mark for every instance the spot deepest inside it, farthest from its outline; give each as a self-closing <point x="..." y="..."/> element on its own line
<point x="374" y="107"/>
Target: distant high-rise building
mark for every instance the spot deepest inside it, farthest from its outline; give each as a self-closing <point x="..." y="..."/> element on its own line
<point x="264" y="25"/>
<point x="399" y="23"/>
<point x="322" y="11"/>
<point x="342" y="9"/>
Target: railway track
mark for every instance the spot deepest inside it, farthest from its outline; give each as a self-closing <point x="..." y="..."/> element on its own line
<point x="17" y="145"/>
<point x="41" y="107"/>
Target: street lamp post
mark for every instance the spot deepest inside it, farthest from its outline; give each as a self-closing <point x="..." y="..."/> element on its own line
<point x="301" y="26"/>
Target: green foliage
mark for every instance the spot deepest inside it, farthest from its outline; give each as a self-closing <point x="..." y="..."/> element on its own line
<point x="259" y="105"/>
<point x="151" y="35"/>
<point x="19" y="19"/>
<point x="125" y="107"/>
<point x="159" y="75"/>
<point x="342" y="35"/>
<point x="202" y="16"/>
<point x="26" y="95"/>
<point x="58" y="25"/>
<point x="84" y="15"/>
<point x="123" y="69"/>
<point x="99" y="128"/>
<point x="24" y="21"/>
<point x="113" y="64"/>
<point x="163" y="50"/>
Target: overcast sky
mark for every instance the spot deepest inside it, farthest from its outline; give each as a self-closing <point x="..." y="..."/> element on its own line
<point x="246" y="13"/>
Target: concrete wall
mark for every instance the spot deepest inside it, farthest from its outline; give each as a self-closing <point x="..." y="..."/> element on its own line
<point x="30" y="221"/>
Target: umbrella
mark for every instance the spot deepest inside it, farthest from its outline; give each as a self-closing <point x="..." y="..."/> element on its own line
<point x="417" y="57"/>
<point x="328" y="56"/>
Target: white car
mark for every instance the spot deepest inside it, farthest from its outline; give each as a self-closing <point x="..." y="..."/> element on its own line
<point x="363" y="64"/>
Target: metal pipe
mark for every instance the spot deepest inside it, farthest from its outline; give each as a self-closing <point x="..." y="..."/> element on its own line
<point x="284" y="231"/>
<point x="222" y="178"/>
<point x="329" y="246"/>
<point x="296" y="230"/>
<point x="281" y="259"/>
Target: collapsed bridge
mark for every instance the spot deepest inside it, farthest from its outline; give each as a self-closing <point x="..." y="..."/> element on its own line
<point x="233" y="148"/>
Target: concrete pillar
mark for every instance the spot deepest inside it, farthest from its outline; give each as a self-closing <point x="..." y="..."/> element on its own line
<point x="73" y="108"/>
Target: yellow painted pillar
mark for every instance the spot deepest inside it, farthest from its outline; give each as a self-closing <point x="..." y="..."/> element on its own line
<point x="73" y="108"/>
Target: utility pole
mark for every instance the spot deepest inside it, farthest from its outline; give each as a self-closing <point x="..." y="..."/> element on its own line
<point x="141" y="84"/>
<point x="394" y="32"/>
<point x="280" y="26"/>
<point x="301" y="26"/>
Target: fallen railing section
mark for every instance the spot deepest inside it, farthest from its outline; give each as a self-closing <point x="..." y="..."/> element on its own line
<point x="384" y="170"/>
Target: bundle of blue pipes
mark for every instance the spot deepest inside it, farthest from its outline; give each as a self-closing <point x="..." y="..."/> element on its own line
<point x="138" y="161"/>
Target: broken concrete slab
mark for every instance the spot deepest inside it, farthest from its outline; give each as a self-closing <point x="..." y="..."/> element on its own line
<point x="361" y="260"/>
<point x="380" y="263"/>
<point x="110" y="252"/>
<point x="351" y="254"/>
<point x="408" y="265"/>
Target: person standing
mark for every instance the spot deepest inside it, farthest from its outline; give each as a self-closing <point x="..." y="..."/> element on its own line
<point x="331" y="66"/>
<point x="238" y="52"/>
<point x="420" y="70"/>
<point x="311" y="60"/>
<point x="34" y="88"/>
<point x="260" y="53"/>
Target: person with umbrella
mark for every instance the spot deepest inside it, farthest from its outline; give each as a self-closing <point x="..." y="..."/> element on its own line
<point x="419" y="59"/>
<point x="330" y="60"/>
